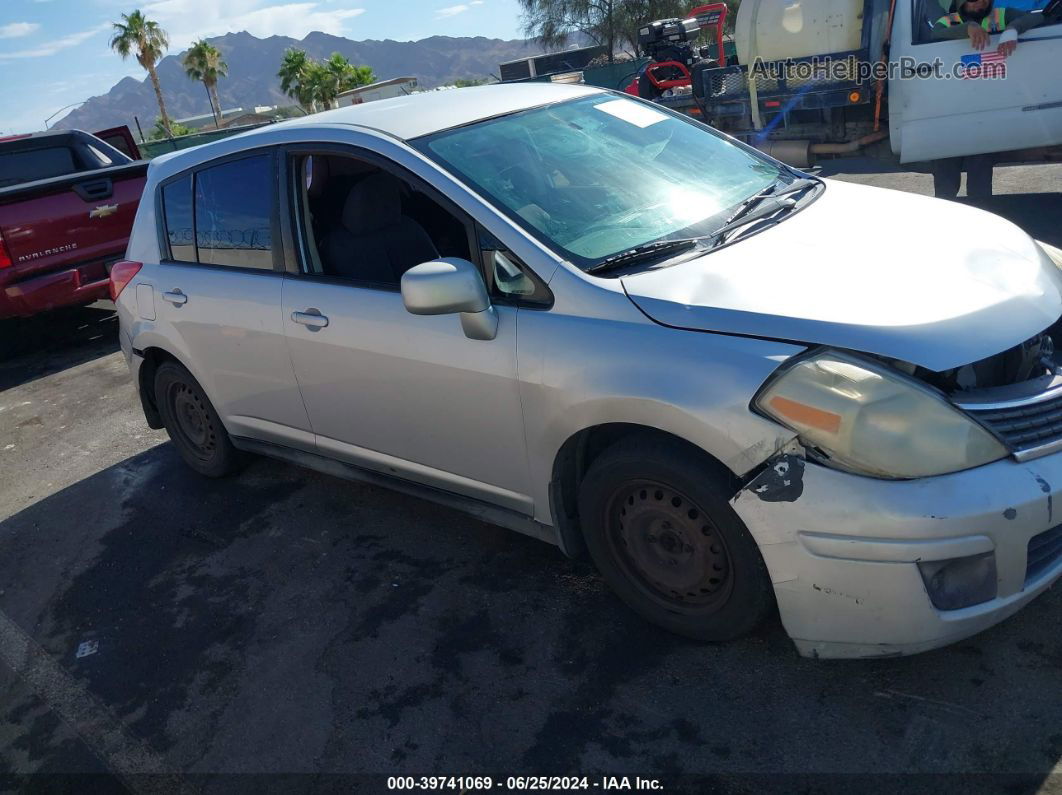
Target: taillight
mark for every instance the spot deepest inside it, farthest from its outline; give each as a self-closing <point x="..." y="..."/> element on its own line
<point x="5" y="258"/>
<point x="122" y="272"/>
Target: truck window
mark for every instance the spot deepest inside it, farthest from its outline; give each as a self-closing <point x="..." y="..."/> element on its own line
<point x="925" y="14"/>
<point x="234" y="213"/>
<point x="177" y="212"/>
<point x="33" y="164"/>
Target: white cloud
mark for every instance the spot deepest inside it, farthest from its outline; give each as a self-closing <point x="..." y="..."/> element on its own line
<point x="452" y="11"/>
<point x="54" y="46"/>
<point x="16" y="29"/>
<point x="186" y="20"/>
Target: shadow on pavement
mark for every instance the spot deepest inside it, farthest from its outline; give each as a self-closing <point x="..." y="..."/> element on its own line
<point x="34" y="347"/>
<point x="287" y="621"/>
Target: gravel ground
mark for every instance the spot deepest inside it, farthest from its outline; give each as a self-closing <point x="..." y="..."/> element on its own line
<point x="288" y="622"/>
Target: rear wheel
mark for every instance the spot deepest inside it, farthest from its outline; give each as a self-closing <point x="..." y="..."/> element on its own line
<point x="192" y="423"/>
<point x="664" y="537"/>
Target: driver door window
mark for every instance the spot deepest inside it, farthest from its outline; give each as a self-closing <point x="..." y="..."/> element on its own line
<point x="365" y="224"/>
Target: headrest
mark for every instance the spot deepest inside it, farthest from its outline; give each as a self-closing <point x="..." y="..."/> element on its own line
<point x="373" y="203"/>
<point x="317" y="175"/>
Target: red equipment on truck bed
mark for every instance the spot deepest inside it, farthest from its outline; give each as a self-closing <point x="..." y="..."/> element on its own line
<point x="67" y="203"/>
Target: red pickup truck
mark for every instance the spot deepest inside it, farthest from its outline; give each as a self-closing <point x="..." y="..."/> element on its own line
<point x="67" y="203"/>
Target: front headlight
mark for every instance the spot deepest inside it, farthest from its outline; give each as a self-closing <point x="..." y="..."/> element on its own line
<point x="873" y="421"/>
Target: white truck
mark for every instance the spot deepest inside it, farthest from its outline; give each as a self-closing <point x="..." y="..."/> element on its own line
<point x="813" y="89"/>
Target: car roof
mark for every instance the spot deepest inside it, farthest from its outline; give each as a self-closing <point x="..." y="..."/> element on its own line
<point x="427" y="112"/>
<point x="405" y="117"/>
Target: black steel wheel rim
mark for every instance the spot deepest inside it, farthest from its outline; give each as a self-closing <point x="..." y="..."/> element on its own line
<point x="669" y="547"/>
<point x="192" y="421"/>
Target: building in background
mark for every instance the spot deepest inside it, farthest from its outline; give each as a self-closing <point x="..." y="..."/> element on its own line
<point x="549" y="63"/>
<point x="248" y="118"/>
<point x="385" y="89"/>
<point x="205" y="121"/>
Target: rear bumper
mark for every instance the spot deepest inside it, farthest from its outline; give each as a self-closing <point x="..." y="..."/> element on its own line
<point x="74" y="286"/>
<point x="843" y="553"/>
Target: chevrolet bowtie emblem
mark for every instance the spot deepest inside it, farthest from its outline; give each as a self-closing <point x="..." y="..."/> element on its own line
<point x="103" y="211"/>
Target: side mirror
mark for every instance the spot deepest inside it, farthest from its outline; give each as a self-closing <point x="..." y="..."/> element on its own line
<point x="451" y="285"/>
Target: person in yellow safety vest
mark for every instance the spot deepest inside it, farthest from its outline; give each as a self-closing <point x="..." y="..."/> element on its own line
<point x="978" y="19"/>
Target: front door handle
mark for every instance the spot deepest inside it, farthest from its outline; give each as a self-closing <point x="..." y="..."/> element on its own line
<point x="311" y="318"/>
<point x="175" y="297"/>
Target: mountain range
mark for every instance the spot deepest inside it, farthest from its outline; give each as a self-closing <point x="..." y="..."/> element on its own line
<point x="252" y="73"/>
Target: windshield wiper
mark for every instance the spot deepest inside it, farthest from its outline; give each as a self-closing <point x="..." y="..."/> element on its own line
<point x="765" y="203"/>
<point x="762" y="206"/>
<point x="642" y="253"/>
<point x="772" y="192"/>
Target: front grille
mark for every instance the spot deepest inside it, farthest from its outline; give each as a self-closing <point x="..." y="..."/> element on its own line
<point x="1044" y="551"/>
<point x="1024" y="427"/>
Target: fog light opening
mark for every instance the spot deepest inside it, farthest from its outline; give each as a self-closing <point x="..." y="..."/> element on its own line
<point x="960" y="582"/>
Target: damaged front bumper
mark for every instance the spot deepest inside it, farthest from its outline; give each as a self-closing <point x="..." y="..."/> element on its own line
<point x="844" y="550"/>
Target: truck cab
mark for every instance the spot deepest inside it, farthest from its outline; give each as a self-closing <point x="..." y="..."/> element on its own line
<point x="1017" y="107"/>
<point x="814" y="91"/>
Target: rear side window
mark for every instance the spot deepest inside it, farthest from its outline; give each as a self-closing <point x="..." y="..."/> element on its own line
<point x="234" y="213"/>
<point x="177" y="207"/>
<point x="34" y="164"/>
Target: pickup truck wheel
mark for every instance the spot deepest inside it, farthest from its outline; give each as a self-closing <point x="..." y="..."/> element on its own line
<point x="192" y="423"/>
<point x="664" y="537"/>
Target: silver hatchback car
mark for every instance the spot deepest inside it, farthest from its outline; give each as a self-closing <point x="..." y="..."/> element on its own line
<point x="589" y="319"/>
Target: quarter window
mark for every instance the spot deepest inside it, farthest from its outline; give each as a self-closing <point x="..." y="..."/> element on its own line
<point x="177" y="207"/>
<point x="233" y="213"/>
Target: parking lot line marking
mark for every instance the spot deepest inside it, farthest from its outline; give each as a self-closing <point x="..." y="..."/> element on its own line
<point x="140" y="769"/>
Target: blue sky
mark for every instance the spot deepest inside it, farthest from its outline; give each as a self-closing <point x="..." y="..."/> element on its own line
<point x="54" y="52"/>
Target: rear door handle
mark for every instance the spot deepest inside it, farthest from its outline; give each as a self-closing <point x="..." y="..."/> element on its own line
<point x="311" y="318"/>
<point x="175" y="297"/>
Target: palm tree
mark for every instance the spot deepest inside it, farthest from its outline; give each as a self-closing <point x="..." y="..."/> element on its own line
<point x="341" y="75"/>
<point x="138" y="34"/>
<point x="321" y="84"/>
<point x="358" y="76"/>
<point x="203" y="62"/>
<point x="294" y="77"/>
<point x="335" y="76"/>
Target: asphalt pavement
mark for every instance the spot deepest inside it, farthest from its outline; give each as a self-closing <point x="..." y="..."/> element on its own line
<point x="287" y="630"/>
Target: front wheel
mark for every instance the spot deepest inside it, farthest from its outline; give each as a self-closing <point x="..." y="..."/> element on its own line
<point x="664" y="537"/>
<point x="192" y="423"/>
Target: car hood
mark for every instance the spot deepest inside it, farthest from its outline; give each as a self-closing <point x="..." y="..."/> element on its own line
<point x="934" y="283"/>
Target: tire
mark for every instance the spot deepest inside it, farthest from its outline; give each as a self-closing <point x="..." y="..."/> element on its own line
<point x="192" y="423"/>
<point x="659" y="527"/>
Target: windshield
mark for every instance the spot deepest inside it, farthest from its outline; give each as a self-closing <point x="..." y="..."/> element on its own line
<point x="597" y="176"/>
